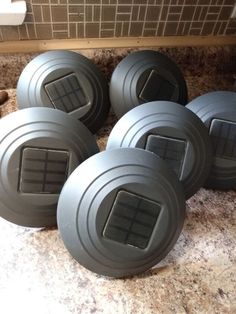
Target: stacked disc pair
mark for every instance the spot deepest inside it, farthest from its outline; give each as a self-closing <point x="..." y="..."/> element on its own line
<point x="185" y="136"/>
<point x="70" y="82"/>
<point x="128" y="211"/>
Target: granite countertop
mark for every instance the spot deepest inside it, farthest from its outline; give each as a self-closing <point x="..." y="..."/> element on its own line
<point x="38" y="275"/>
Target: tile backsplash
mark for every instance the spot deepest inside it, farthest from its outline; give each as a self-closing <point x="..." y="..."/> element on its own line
<point x="62" y="19"/>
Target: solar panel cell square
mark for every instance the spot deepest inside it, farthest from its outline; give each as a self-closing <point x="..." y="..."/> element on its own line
<point x="223" y="135"/>
<point x="156" y="87"/>
<point x="66" y="93"/>
<point x="132" y="220"/>
<point x="43" y="170"/>
<point x="170" y="149"/>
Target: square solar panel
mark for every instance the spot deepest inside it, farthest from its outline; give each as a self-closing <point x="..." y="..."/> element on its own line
<point x="169" y="149"/>
<point x="223" y="135"/>
<point x="156" y="87"/>
<point x="66" y="94"/>
<point x="43" y="170"/>
<point x="132" y="220"/>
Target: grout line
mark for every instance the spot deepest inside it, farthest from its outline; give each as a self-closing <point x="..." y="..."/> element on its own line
<point x="217" y="21"/>
<point x="68" y="24"/>
<point x="115" y="22"/>
<point x="130" y="17"/>
<point x="50" y="13"/>
<point x="145" y="18"/>
<point x="180" y="15"/>
<point x="100" y="19"/>
<point x="191" y="22"/>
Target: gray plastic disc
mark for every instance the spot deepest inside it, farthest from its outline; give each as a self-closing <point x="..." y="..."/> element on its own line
<point x="218" y="112"/>
<point x="67" y="81"/>
<point x="125" y="216"/>
<point x="172" y="132"/>
<point x="146" y="76"/>
<point x="39" y="148"/>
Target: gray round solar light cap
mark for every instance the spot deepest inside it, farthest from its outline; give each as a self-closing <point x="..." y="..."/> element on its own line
<point x="146" y="76"/>
<point x="39" y="148"/>
<point x="218" y="112"/>
<point x="67" y="81"/>
<point x="125" y="216"/>
<point x="173" y="133"/>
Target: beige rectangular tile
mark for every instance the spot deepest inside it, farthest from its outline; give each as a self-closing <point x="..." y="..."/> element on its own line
<point x="72" y="30"/>
<point x="107" y="33"/>
<point x="153" y="13"/>
<point x="170" y="29"/>
<point x="180" y="28"/>
<point x="81" y="30"/>
<point x="195" y="32"/>
<point x="118" y="28"/>
<point x="186" y="28"/>
<point x="92" y="30"/>
<point x="60" y="27"/>
<point x="125" y="29"/>
<point x="107" y="26"/>
<point x="39" y="1"/>
<point x="43" y="31"/>
<point x="175" y="9"/>
<point x="134" y="15"/>
<point x="37" y="13"/>
<point x="31" y="30"/>
<point x="225" y="13"/>
<point x="173" y="17"/>
<point x="150" y="25"/>
<point x="211" y="17"/>
<point x="76" y="1"/>
<point x="160" y="28"/>
<point x="76" y="13"/>
<point x="96" y="13"/>
<point x="46" y="13"/>
<point x="92" y="1"/>
<point x="123" y="17"/>
<point x="164" y="12"/>
<point x="216" y="28"/>
<point x="187" y="13"/>
<point x="29" y="18"/>
<point x="108" y="13"/>
<point x="136" y="29"/>
<point x="125" y="1"/>
<point x="149" y="32"/>
<point x="203" y="13"/>
<point x="207" y="28"/>
<point x="88" y="13"/>
<point x="10" y="33"/>
<point x="59" y="13"/>
<point x="222" y="28"/>
<point x="60" y="35"/>
<point x="142" y="12"/>
<point x="23" y="32"/>
<point x="124" y="8"/>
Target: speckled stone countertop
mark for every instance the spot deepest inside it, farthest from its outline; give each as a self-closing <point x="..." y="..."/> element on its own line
<point x="37" y="275"/>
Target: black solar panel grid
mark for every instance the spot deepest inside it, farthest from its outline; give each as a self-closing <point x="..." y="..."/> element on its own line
<point x="223" y="135"/>
<point x="66" y="94"/>
<point x="132" y="220"/>
<point x="43" y="170"/>
<point x="169" y="149"/>
<point x="156" y="87"/>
